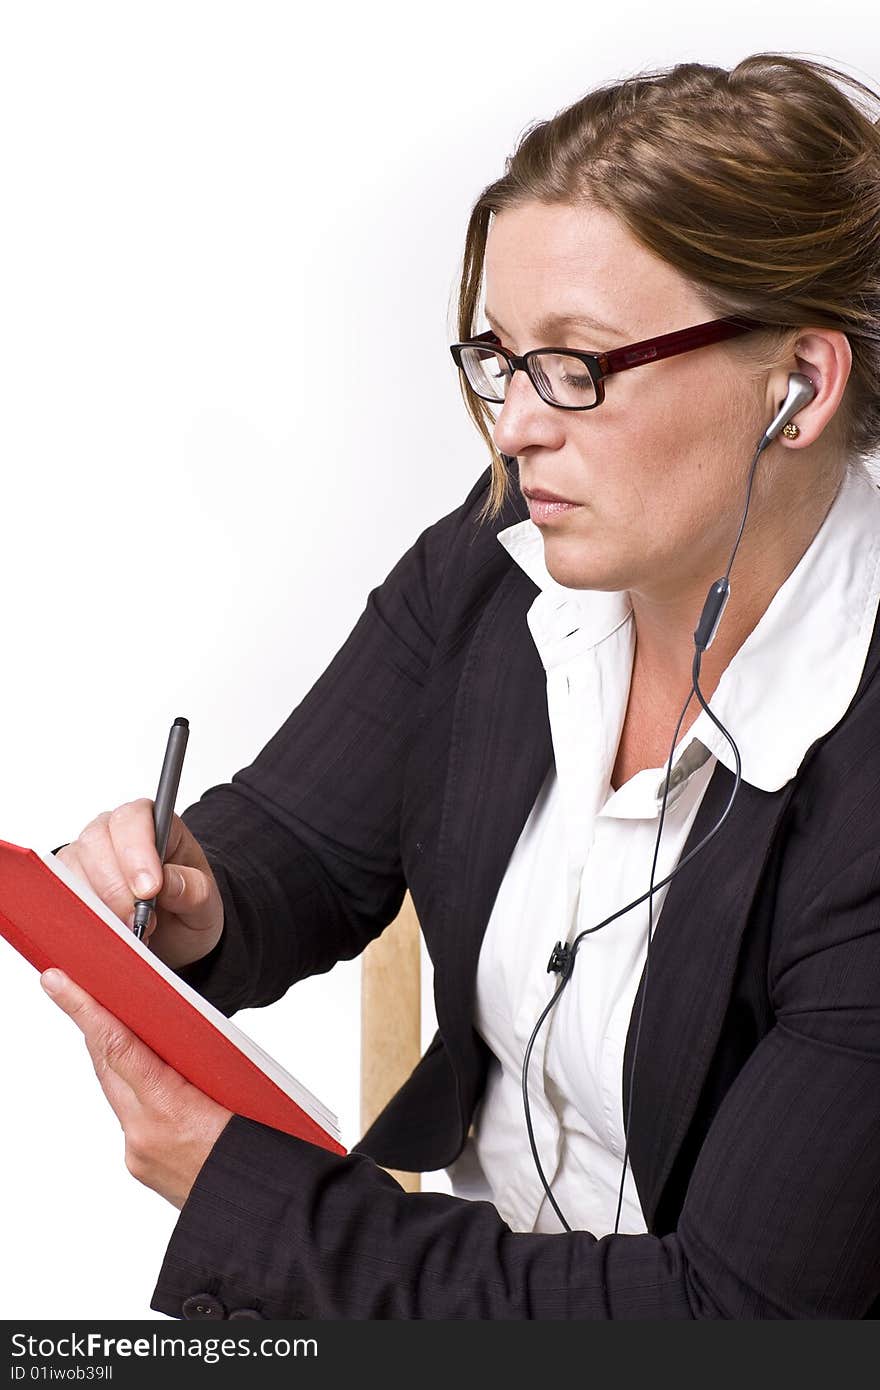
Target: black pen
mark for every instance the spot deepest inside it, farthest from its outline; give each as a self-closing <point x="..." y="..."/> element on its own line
<point x="163" y="810"/>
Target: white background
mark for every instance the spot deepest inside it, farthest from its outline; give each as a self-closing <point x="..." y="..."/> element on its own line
<point x="191" y="518"/>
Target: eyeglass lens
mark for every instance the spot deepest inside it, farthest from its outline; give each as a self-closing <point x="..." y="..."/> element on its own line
<point x="562" y="379"/>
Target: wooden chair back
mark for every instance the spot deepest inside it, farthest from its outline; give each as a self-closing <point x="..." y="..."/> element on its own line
<point x="390" y="1018"/>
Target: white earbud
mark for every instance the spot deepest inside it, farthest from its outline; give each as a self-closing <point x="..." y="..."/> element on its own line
<point x="800" y="392"/>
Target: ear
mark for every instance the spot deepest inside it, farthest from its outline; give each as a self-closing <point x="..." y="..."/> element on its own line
<point x="825" y="356"/>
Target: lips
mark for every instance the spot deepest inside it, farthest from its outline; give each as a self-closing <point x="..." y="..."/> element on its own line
<point x="536" y="494"/>
<point x="543" y="513"/>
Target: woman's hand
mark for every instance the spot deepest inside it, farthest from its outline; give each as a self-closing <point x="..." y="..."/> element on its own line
<point x="170" y="1126"/>
<point x="117" y="847"/>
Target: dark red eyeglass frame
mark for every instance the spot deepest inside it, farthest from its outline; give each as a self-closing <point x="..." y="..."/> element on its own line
<point x="603" y="364"/>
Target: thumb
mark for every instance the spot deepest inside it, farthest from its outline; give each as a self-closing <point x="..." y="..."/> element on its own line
<point x="185" y="891"/>
<point x="173" y="890"/>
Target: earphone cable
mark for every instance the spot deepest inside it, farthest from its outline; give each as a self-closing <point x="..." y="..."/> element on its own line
<point x="565" y="956"/>
<point x="695" y="690"/>
<point x="699" y="694"/>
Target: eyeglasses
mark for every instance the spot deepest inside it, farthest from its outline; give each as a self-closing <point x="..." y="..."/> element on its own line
<point x="575" y="380"/>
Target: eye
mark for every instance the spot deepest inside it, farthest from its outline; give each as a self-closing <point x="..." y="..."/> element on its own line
<point x="578" y="379"/>
<point x="500" y="365"/>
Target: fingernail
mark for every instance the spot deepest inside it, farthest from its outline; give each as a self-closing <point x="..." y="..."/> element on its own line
<point x="143" y="885"/>
<point x="51" y="981"/>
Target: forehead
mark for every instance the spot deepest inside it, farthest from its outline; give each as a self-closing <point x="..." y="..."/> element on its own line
<point x="544" y="259"/>
<point x="560" y="235"/>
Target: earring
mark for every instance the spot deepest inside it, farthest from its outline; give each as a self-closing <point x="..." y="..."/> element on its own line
<point x="791" y="431"/>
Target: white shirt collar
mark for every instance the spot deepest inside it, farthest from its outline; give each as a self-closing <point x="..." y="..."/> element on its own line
<point x="797" y="671"/>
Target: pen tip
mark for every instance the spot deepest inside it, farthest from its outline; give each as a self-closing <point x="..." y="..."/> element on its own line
<point x="180" y="720"/>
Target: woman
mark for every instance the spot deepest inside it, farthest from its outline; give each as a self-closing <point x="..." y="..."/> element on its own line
<point x="502" y="733"/>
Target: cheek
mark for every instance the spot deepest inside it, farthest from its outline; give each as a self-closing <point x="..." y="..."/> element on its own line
<point x="661" y="510"/>
<point x="682" y="405"/>
<point x="678" y="455"/>
<point x="660" y="471"/>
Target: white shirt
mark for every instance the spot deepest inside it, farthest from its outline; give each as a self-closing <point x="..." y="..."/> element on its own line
<point x="586" y="850"/>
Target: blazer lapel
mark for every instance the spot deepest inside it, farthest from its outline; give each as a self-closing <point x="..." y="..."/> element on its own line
<point x="691" y="968"/>
<point x="500" y="752"/>
<point x="693" y="961"/>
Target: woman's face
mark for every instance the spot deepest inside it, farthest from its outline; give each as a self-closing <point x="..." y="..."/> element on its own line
<point x="660" y="467"/>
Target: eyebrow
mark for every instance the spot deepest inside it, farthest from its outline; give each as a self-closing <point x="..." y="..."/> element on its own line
<point x="551" y="322"/>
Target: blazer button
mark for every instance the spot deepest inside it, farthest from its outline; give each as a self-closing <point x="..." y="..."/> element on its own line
<point x="245" y="1313"/>
<point x="203" y="1305"/>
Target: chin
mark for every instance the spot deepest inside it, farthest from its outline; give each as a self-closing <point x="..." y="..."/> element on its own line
<point x="565" y="564"/>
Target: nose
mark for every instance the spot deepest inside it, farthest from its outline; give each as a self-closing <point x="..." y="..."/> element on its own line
<point x="524" y="418"/>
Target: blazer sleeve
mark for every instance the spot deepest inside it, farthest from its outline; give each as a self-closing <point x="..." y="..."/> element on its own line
<point x="781" y="1218"/>
<point x="304" y="842"/>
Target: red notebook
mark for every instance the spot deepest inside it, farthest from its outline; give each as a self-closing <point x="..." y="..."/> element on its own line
<point x="52" y="917"/>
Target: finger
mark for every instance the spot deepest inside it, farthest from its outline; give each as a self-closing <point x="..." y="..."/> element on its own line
<point x="132" y="832"/>
<point x="120" y="1095"/>
<point x="184" y="892"/>
<point x="111" y="1045"/>
<point x="101" y="867"/>
<point x="114" y="897"/>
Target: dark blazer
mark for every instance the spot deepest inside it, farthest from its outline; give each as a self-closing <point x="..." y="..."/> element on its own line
<point x="414" y="761"/>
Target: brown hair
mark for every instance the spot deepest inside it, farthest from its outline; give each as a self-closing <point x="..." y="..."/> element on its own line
<point x="761" y="184"/>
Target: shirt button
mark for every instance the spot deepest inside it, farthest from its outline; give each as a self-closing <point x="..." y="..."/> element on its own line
<point x="203" y="1305"/>
<point x="245" y="1313"/>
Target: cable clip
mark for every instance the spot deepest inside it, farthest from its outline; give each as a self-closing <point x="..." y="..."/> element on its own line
<point x="561" y="960"/>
